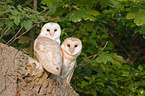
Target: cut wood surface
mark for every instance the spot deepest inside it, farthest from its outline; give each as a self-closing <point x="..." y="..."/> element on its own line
<point x="21" y="75"/>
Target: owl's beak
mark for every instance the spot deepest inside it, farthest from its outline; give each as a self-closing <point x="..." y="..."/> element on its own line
<point x="71" y="50"/>
<point x="51" y="33"/>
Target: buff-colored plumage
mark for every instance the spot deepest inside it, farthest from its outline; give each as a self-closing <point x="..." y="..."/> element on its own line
<point x="71" y="49"/>
<point x="47" y="49"/>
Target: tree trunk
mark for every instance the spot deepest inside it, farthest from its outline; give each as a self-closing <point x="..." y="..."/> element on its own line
<point x="35" y="4"/>
<point x="21" y="75"/>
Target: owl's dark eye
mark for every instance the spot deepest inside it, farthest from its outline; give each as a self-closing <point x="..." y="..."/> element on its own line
<point x="48" y="30"/>
<point x="76" y="45"/>
<point x="68" y="45"/>
<point x="55" y="30"/>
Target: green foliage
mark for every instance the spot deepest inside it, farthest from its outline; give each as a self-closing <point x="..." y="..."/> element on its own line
<point x="19" y="16"/>
<point x="117" y="68"/>
<point x="52" y="4"/>
<point x="137" y="12"/>
<point x="107" y="57"/>
<point x="27" y="24"/>
<point x="78" y="15"/>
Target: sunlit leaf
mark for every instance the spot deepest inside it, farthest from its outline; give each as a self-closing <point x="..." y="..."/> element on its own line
<point x="19" y="7"/>
<point x="130" y="15"/>
<point x="78" y="15"/>
<point x="140" y="18"/>
<point x="84" y="83"/>
<point x="100" y="83"/>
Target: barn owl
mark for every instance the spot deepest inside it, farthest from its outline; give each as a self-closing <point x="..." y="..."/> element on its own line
<point x="71" y="49"/>
<point x="52" y="31"/>
<point x="47" y="48"/>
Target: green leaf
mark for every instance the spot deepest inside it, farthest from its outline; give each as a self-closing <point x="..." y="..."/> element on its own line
<point x="78" y="15"/>
<point x="52" y="4"/>
<point x="41" y="18"/>
<point x="34" y="11"/>
<point x="104" y="58"/>
<point x="34" y="20"/>
<point x="16" y="20"/>
<point x="115" y="62"/>
<point x="1" y="24"/>
<point x="84" y="83"/>
<point x="26" y="16"/>
<point x="14" y="12"/>
<point x="117" y="57"/>
<point x="19" y="7"/>
<point x="8" y="9"/>
<point x="130" y="15"/>
<point x="9" y="23"/>
<point x="94" y="93"/>
<point x="93" y="12"/>
<point x="50" y="1"/>
<point x="113" y="58"/>
<point x="27" y="24"/>
<point x="140" y="68"/>
<point x="126" y="74"/>
<point x="117" y="4"/>
<point x="143" y="29"/>
<point x="140" y="18"/>
<point x="1" y="12"/>
<point x="100" y="83"/>
<point x="27" y="9"/>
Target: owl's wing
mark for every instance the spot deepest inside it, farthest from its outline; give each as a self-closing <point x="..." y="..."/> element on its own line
<point x="70" y="71"/>
<point x="68" y="78"/>
<point x="48" y="53"/>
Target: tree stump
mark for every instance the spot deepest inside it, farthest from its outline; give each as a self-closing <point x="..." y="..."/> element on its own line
<point x="20" y="75"/>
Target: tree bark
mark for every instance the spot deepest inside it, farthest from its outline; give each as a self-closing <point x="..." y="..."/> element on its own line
<point x="21" y="75"/>
<point x="35" y="4"/>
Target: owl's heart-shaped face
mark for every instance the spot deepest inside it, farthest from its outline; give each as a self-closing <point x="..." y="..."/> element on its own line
<point x="72" y="46"/>
<point x="51" y="30"/>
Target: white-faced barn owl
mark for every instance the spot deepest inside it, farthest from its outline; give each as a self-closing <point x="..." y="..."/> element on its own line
<point x="71" y="49"/>
<point x="47" y="48"/>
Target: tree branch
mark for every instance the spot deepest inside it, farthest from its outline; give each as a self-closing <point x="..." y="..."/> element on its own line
<point x="14" y="36"/>
<point x="35" y="4"/>
<point x="26" y="31"/>
<point x="80" y="64"/>
<point x="5" y="32"/>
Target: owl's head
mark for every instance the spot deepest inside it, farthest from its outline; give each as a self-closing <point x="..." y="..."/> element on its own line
<point x="72" y="46"/>
<point x="51" y="30"/>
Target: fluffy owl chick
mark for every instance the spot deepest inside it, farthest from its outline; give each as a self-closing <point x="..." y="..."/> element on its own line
<point x="71" y="49"/>
<point x="47" y="48"/>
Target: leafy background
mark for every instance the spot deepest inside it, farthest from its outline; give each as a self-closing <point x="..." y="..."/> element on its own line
<point x="112" y="61"/>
